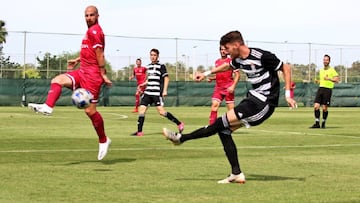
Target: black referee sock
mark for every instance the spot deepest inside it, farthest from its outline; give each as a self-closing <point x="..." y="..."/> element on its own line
<point x="230" y="150"/>
<point x="204" y="131"/>
<point x="325" y="115"/>
<point x="317" y="114"/>
<point x="169" y="116"/>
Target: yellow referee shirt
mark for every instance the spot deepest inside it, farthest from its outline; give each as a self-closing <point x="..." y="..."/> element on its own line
<point x="330" y="72"/>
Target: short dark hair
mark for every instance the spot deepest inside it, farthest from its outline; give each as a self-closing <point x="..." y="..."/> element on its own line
<point x="326" y="55"/>
<point x="155" y="50"/>
<point x="232" y="36"/>
<point x="138" y="59"/>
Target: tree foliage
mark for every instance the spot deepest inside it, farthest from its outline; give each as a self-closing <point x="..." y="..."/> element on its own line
<point x="51" y="65"/>
<point x="3" y="32"/>
<point x="32" y="72"/>
<point x="9" y="69"/>
<point x="353" y="73"/>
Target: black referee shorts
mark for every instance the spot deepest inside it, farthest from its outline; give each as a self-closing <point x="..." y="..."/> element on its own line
<point x="323" y="96"/>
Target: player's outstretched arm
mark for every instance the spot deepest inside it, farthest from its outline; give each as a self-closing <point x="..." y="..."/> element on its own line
<point x="72" y="63"/>
<point x="107" y="81"/>
<point x="165" y="87"/>
<point x="236" y="74"/>
<point x="200" y="76"/>
<point x="287" y="77"/>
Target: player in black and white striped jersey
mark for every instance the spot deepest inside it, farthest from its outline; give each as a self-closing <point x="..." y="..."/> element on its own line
<point x="261" y="69"/>
<point x="156" y="88"/>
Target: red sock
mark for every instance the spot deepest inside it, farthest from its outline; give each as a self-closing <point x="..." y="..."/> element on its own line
<point x="53" y="94"/>
<point x="213" y="117"/>
<point x="98" y="124"/>
<point x="137" y="100"/>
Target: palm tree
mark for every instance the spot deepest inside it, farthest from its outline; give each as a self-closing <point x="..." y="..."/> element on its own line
<point x="3" y="33"/>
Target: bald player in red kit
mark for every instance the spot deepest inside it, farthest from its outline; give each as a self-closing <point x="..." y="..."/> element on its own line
<point x="91" y="75"/>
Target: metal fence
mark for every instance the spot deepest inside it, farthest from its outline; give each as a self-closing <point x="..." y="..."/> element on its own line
<point x="121" y="52"/>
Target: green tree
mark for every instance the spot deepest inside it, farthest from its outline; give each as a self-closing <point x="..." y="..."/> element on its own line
<point x="53" y="65"/>
<point x="124" y="73"/>
<point x="353" y="72"/>
<point x="3" y="32"/>
<point x="200" y="68"/>
<point x="9" y="69"/>
<point x="181" y="70"/>
<point x="300" y="72"/>
<point x="32" y="73"/>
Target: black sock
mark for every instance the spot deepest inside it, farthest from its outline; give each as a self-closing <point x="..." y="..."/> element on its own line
<point x="206" y="131"/>
<point x="325" y="115"/>
<point x="230" y="151"/>
<point x="169" y="116"/>
<point x="140" y="123"/>
<point x="317" y="115"/>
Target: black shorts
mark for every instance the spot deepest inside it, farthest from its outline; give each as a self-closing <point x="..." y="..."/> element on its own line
<point x="252" y="111"/>
<point x="147" y="100"/>
<point x="323" y="96"/>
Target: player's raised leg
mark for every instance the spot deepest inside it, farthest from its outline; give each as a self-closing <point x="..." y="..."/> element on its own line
<point x="54" y="93"/>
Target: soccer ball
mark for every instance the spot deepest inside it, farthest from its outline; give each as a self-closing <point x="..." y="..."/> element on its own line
<point x="81" y="98"/>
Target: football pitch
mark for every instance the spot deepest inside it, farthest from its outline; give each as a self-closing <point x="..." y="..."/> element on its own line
<point x="54" y="158"/>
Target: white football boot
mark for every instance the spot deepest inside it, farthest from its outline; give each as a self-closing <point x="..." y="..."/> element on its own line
<point x="240" y="178"/>
<point x="41" y="108"/>
<point x="103" y="148"/>
<point x="174" y="137"/>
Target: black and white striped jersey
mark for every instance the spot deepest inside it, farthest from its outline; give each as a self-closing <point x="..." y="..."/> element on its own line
<point x="261" y="69"/>
<point x="155" y="79"/>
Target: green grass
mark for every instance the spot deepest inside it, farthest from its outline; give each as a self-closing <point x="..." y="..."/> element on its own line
<point x="54" y="159"/>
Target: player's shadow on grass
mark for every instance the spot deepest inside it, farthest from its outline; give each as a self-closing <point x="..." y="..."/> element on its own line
<point x="160" y="133"/>
<point x="254" y="177"/>
<point x="148" y="134"/>
<point x="105" y="162"/>
<point x="330" y="127"/>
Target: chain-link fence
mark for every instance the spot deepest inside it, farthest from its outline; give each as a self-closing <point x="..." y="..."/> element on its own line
<point x="182" y="56"/>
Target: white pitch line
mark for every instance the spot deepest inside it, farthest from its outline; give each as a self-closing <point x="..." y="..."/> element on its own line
<point x="305" y="133"/>
<point x="120" y="116"/>
<point x="179" y="148"/>
<point x="117" y="115"/>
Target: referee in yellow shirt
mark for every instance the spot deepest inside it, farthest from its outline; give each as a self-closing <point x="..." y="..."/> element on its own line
<point x="327" y="77"/>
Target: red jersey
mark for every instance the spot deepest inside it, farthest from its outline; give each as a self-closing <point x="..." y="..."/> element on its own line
<point x="93" y="39"/>
<point x="140" y="74"/>
<point x="223" y="79"/>
<point x="88" y="76"/>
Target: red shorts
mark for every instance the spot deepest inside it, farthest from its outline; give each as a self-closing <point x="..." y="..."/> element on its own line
<point x="141" y="89"/>
<point x="224" y="94"/>
<point x="89" y="81"/>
